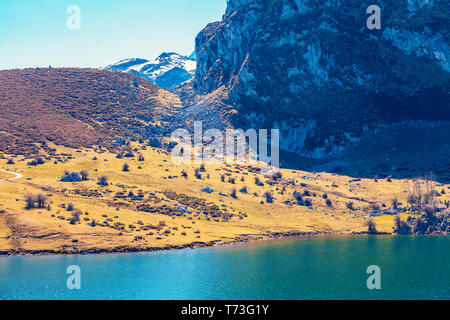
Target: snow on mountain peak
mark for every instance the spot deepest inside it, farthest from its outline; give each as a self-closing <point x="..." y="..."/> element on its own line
<point x="168" y="70"/>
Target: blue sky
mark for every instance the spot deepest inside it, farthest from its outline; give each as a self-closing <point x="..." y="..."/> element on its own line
<point x="33" y="33"/>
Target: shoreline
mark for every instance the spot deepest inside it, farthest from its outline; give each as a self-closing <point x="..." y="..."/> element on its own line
<point x="276" y="236"/>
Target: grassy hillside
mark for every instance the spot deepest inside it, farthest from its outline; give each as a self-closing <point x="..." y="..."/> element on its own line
<point x="77" y="107"/>
<point x="152" y="206"/>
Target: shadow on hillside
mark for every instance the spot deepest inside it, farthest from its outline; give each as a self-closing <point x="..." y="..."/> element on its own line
<point x="405" y="150"/>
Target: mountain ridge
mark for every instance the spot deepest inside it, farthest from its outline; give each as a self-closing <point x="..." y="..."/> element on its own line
<point x="168" y="70"/>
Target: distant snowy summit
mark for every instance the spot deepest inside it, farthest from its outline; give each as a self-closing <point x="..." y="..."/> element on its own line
<point x="167" y="71"/>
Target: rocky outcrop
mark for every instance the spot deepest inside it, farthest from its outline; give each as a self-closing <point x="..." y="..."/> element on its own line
<point x="313" y="69"/>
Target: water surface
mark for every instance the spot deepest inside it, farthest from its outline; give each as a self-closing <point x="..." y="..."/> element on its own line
<point x="317" y="268"/>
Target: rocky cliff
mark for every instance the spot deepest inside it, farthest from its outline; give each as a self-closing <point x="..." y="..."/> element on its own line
<point x="314" y="69"/>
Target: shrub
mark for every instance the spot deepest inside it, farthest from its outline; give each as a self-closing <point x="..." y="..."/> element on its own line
<point x="70" y="206"/>
<point x="350" y="205"/>
<point x="306" y="193"/>
<point x="308" y="202"/>
<point x="84" y="175"/>
<point x="402" y="227"/>
<point x="329" y="203"/>
<point x="277" y="175"/>
<point x="258" y="182"/>
<point x="30" y="201"/>
<point x="202" y="168"/>
<point x="71" y="177"/>
<point x="374" y="207"/>
<point x="103" y="180"/>
<point x="269" y="196"/>
<point x="232" y="180"/>
<point x="394" y="203"/>
<point x="126" y="167"/>
<point x="184" y="174"/>
<point x="75" y="217"/>
<point x="325" y="196"/>
<point x="430" y="211"/>
<point x="233" y="193"/>
<point x="371" y="226"/>
<point x="197" y="173"/>
<point x="298" y="197"/>
<point x="36" y="161"/>
<point x="10" y="161"/>
<point x="41" y="199"/>
<point x="129" y="154"/>
<point x="141" y="158"/>
<point x="243" y="189"/>
<point x="222" y="177"/>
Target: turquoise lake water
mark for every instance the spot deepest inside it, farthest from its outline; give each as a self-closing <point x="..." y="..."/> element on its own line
<point x="316" y="268"/>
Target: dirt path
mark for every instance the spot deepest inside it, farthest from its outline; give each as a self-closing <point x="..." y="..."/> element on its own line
<point x="17" y="175"/>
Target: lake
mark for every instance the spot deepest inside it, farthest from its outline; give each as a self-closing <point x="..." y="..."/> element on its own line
<point x="314" y="268"/>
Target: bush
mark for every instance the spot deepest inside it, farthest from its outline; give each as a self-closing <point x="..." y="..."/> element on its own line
<point x="75" y="217"/>
<point x="243" y="190"/>
<point x="84" y="175"/>
<point x="277" y="175"/>
<point x="202" y="168"/>
<point x="258" y="182"/>
<point x="308" y="202"/>
<point x="394" y="203"/>
<point x="402" y="227"/>
<point x="371" y="226"/>
<point x="306" y="193"/>
<point x="350" y="205"/>
<point x="197" y="173"/>
<point x="10" y="161"/>
<point x="141" y="158"/>
<point x="374" y="207"/>
<point x="103" y="180"/>
<point x="222" y="177"/>
<point x="36" y="161"/>
<point x="325" y="196"/>
<point x="30" y="201"/>
<point x="233" y="193"/>
<point x="329" y="203"/>
<point x="184" y="174"/>
<point x="232" y="180"/>
<point x="41" y="199"/>
<point x="298" y="197"/>
<point x="126" y="167"/>
<point x="71" y="177"/>
<point x="269" y="196"/>
<point x="70" y="206"/>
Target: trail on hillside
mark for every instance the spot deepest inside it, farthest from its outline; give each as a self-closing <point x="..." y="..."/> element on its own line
<point x="17" y="175"/>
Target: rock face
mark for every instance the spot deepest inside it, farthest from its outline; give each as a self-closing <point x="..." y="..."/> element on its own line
<point x="315" y="70"/>
<point x="167" y="71"/>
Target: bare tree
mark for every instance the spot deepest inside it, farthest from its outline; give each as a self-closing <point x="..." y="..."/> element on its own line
<point x="41" y="199"/>
<point x="84" y="175"/>
<point x="30" y="201"/>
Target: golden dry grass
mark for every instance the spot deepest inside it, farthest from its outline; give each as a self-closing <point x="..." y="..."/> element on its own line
<point x="121" y="226"/>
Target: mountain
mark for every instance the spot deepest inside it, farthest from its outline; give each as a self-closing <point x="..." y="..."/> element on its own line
<point x="167" y="71"/>
<point x="314" y="69"/>
<point x="78" y="108"/>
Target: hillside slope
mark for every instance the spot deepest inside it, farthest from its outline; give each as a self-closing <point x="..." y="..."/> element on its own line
<point x="78" y="107"/>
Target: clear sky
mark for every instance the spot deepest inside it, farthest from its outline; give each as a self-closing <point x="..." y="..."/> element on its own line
<point x="34" y="33"/>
